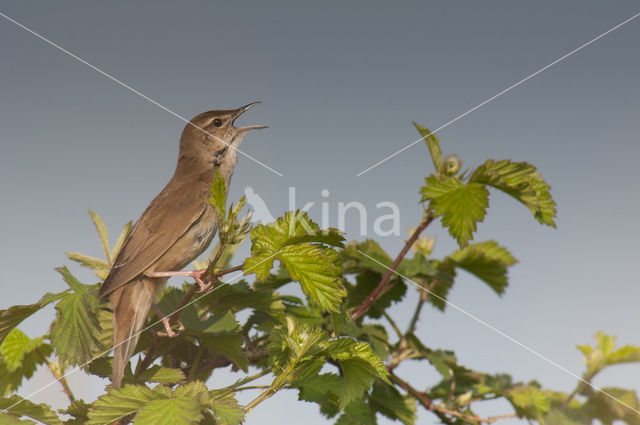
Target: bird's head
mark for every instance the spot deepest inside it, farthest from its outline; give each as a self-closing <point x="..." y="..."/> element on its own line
<point x="211" y="138"/>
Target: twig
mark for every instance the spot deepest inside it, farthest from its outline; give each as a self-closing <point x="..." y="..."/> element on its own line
<point x="384" y="285"/>
<point x="249" y="379"/>
<point x="395" y="327"/>
<point x="442" y="411"/>
<point x="423" y="296"/>
<point x="587" y="378"/>
<point x="60" y="377"/>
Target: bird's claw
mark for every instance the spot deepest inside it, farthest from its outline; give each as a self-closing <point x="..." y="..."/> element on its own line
<point x="169" y="332"/>
<point x="166" y="322"/>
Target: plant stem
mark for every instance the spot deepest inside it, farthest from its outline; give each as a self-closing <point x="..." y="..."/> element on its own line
<point x="58" y="376"/>
<point x="273" y="388"/>
<point x="395" y="327"/>
<point x="442" y="411"/>
<point x="577" y="389"/>
<point x="249" y="379"/>
<point x="384" y="285"/>
<point x="196" y="361"/>
<point x="416" y="314"/>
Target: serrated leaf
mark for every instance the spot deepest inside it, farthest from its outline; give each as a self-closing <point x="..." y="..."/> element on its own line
<point x="522" y="181"/>
<point x="102" y="233"/>
<point x="610" y="408"/>
<point x="170" y="411"/>
<point x="13" y="316"/>
<point x="387" y="400"/>
<point x="161" y="375"/>
<point x="461" y="205"/>
<point x="229" y="345"/>
<point x="528" y="401"/>
<point x="17" y="346"/>
<point x="357" y="413"/>
<point x="7" y="419"/>
<point x="79" y="410"/>
<point x="604" y="354"/>
<point x="359" y="366"/>
<point x="119" y="403"/>
<point x="353" y="261"/>
<point x="314" y="265"/>
<point x="218" y="197"/>
<point x="18" y="406"/>
<point x="433" y="144"/>
<point x="100" y="267"/>
<point x="486" y="260"/>
<point x="75" y="329"/>
<point x="225" y="408"/>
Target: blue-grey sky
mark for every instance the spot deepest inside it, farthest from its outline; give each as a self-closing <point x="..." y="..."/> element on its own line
<point x="340" y="84"/>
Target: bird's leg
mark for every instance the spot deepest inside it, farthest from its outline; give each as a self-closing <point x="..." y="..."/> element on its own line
<point x="195" y="274"/>
<point x="166" y="322"/>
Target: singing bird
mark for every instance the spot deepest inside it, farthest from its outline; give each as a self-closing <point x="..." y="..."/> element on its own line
<point x="177" y="226"/>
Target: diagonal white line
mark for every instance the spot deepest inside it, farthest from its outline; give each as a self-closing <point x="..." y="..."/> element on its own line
<point x="510" y="338"/>
<point x="480" y="105"/>
<point x="115" y="80"/>
<point x="136" y="334"/>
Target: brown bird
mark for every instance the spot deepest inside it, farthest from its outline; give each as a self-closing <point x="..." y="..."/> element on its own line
<point x="175" y="228"/>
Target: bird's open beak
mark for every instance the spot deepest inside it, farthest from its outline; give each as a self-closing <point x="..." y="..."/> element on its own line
<point x="241" y="111"/>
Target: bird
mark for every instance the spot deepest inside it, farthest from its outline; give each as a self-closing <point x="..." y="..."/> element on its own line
<point x="177" y="226"/>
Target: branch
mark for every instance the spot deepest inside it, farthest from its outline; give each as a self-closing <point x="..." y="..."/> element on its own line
<point x="57" y="375"/>
<point x="384" y="285"/>
<point x="442" y="411"/>
<point x="577" y="389"/>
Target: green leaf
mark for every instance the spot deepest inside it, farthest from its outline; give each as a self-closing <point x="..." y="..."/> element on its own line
<point x="387" y="400"/>
<point x="353" y="261"/>
<point x="13" y="316"/>
<point x="79" y="410"/>
<point x="226" y="408"/>
<point x="7" y="419"/>
<point x="521" y="181"/>
<point x="17" y="347"/>
<point x="119" y="403"/>
<point x="604" y="354"/>
<point x="461" y="205"/>
<point x="433" y="144"/>
<point x="528" y="401"/>
<point x="314" y="265"/>
<point x="486" y="260"/>
<point x="100" y="267"/>
<point x="229" y="345"/>
<point x="170" y="411"/>
<point x="608" y="410"/>
<point x="357" y="413"/>
<point x="161" y="375"/>
<point x="75" y="329"/>
<point x="103" y="233"/>
<point x="218" y="197"/>
<point x="18" y="407"/>
<point x="359" y="366"/>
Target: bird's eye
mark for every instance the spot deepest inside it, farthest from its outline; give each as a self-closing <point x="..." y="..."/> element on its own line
<point x="217" y="122"/>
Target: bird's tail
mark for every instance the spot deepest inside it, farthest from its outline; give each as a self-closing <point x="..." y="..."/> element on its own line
<point x="131" y="304"/>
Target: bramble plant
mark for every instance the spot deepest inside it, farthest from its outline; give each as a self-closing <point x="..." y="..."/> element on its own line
<point x="331" y="346"/>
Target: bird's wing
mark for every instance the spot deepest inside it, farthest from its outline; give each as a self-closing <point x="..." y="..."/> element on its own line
<point x="164" y="221"/>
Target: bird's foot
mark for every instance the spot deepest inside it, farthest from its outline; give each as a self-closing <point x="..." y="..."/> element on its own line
<point x="195" y="274"/>
<point x="166" y="322"/>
